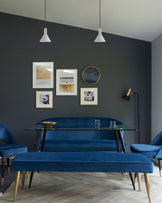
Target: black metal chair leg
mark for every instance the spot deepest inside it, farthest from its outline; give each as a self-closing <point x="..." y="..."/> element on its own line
<point x="31" y="178"/>
<point x="8" y="164"/>
<point x="159" y="167"/>
<point x="3" y="168"/>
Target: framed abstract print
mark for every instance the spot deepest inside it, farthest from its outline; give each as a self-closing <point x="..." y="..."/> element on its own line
<point x="43" y="74"/>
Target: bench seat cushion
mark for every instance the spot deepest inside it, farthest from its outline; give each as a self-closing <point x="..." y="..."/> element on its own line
<point x="82" y="162"/>
<point x="81" y="145"/>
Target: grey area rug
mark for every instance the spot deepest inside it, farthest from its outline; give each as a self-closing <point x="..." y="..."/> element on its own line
<point x="8" y="179"/>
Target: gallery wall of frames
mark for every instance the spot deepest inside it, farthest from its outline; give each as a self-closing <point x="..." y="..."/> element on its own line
<point x="70" y="77"/>
<point x="66" y="84"/>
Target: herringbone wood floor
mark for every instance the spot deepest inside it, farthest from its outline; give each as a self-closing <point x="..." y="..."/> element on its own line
<point x="84" y="188"/>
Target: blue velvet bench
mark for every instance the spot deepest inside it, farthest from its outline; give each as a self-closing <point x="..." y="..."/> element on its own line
<point x="82" y="162"/>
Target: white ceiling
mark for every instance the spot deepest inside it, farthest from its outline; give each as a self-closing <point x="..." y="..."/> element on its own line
<point x="140" y="19"/>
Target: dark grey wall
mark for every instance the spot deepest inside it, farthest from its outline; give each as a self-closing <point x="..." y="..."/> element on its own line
<point x="124" y="63"/>
<point x="156" y="110"/>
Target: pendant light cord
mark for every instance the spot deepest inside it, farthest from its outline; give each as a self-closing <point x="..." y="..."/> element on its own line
<point x="45" y="10"/>
<point x="99" y="13"/>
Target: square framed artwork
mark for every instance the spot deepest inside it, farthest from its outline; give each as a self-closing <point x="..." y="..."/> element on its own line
<point x="88" y="96"/>
<point x="44" y="99"/>
<point x="66" y="82"/>
<point x="43" y="74"/>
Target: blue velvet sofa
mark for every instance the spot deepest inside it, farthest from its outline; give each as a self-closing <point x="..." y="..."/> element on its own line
<point x="79" y="140"/>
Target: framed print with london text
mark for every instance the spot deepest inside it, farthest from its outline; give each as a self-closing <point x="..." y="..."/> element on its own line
<point x="44" y="99"/>
<point x="88" y="96"/>
<point x="43" y="74"/>
<point x="66" y="82"/>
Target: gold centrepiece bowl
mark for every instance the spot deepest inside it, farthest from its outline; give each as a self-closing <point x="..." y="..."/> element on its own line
<point x="48" y="123"/>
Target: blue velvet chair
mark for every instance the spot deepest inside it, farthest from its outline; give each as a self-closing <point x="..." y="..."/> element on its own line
<point x="8" y="147"/>
<point x="152" y="150"/>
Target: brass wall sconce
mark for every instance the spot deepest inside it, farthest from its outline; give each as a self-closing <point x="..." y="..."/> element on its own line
<point x="127" y="97"/>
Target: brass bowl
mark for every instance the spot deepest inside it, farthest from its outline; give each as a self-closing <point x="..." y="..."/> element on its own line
<point x="48" y="123"/>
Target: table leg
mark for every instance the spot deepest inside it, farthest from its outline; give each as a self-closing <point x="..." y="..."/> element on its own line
<point x="39" y="140"/>
<point x="132" y="181"/>
<point x="122" y="141"/>
<point x="31" y="178"/>
<point x="117" y="141"/>
<point x="43" y="141"/>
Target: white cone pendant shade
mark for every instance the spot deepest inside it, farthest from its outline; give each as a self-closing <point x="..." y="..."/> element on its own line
<point x="45" y="37"/>
<point x="99" y="37"/>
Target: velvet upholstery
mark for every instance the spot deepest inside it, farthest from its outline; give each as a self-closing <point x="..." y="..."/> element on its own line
<point x="81" y="140"/>
<point x="8" y="146"/>
<point x="5" y="135"/>
<point x="152" y="150"/>
<point x="159" y="154"/>
<point x="7" y="150"/>
<point x="157" y="139"/>
<point x="148" y="150"/>
<point x="82" y="162"/>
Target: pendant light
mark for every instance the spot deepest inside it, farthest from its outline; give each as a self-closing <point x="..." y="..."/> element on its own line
<point x="99" y="37"/>
<point x="45" y="37"/>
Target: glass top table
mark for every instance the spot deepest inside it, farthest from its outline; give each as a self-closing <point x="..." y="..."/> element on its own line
<point x="117" y="130"/>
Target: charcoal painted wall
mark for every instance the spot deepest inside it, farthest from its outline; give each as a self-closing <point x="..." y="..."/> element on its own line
<point x="124" y="63"/>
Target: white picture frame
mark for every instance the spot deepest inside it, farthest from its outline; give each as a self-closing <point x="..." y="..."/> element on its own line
<point x="44" y="99"/>
<point x="89" y="96"/>
<point x="43" y="74"/>
<point x="66" y="81"/>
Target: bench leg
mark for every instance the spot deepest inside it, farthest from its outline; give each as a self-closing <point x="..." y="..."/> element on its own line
<point x="16" y="185"/>
<point x="139" y="181"/>
<point x="147" y="183"/>
<point x="23" y="178"/>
